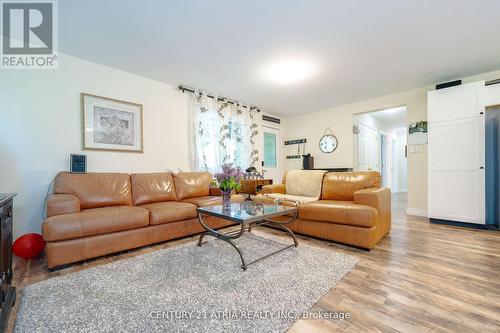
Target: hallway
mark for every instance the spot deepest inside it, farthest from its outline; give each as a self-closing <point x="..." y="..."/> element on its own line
<point x="399" y="202"/>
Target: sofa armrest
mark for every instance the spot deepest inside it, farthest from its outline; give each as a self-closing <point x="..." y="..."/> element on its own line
<point x="378" y="198"/>
<point x="59" y="204"/>
<point x="275" y="188"/>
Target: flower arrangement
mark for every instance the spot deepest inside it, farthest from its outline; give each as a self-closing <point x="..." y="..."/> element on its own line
<point x="229" y="178"/>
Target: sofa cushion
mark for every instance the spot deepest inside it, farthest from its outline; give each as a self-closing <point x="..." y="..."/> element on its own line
<point x="210" y="200"/>
<point x="95" y="189"/>
<point x="94" y="221"/>
<point x="152" y="187"/>
<point x="304" y="183"/>
<point x="341" y="212"/>
<point x="342" y="185"/>
<point x="206" y="200"/>
<point x="169" y="211"/>
<point x="192" y="184"/>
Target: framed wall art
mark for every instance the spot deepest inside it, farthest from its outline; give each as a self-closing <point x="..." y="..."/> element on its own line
<point x="111" y="124"/>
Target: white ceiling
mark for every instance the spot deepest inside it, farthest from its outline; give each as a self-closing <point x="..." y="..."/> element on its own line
<point x="363" y="48"/>
<point x="391" y="119"/>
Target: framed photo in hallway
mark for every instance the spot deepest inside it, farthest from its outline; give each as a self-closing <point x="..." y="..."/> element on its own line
<point x="111" y="124"/>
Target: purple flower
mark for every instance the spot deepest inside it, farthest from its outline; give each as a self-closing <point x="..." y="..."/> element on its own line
<point x="229" y="178"/>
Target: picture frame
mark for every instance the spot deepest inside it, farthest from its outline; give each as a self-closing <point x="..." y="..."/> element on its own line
<point x="110" y="124"/>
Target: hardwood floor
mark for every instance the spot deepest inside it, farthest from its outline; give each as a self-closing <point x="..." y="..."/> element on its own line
<point x="420" y="278"/>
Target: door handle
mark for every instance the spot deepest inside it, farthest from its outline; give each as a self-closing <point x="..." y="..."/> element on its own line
<point x="481" y="168"/>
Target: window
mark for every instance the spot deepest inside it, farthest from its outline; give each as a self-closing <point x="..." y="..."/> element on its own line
<point x="221" y="133"/>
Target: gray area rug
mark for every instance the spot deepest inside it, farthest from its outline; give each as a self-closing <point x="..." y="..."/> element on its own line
<point x="188" y="289"/>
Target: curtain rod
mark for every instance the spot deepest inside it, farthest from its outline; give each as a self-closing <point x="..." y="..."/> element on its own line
<point x="220" y="98"/>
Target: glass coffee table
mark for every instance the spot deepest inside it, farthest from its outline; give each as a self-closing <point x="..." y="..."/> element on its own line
<point x="248" y="215"/>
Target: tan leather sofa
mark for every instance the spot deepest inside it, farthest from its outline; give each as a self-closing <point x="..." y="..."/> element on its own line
<point x="353" y="209"/>
<point x="95" y="214"/>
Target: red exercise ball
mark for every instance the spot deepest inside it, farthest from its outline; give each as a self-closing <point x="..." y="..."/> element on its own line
<point x="28" y="246"/>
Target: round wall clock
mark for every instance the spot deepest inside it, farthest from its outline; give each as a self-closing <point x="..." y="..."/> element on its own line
<point x="328" y="142"/>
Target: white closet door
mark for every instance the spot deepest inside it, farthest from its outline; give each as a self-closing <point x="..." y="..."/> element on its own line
<point x="458" y="102"/>
<point x="368" y="148"/>
<point x="456" y="170"/>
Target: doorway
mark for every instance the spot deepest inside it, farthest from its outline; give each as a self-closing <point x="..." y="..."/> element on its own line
<point x="271" y="153"/>
<point x="380" y="145"/>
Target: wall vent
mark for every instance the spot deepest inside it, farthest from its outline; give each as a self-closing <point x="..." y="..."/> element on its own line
<point x="448" y="84"/>
<point x="271" y="119"/>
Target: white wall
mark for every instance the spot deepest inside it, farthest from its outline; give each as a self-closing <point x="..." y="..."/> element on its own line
<point x="492" y="95"/>
<point x="312" y="125"/>
<point x="369" y="120"/>
<point x="40" y="122"/>
<point x="400" y="137"/>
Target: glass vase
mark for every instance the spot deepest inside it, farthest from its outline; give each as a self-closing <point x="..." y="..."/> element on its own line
<point x="226" y="199"/>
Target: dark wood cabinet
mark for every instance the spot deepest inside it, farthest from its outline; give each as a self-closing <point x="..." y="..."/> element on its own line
<point x="253" y="186"/>
<point x="7" y="291"/>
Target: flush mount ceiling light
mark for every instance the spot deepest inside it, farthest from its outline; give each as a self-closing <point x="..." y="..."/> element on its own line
<point x="289" y="71"/>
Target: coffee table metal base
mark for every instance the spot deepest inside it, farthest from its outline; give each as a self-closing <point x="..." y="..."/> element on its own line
<point x="230" y="236"/>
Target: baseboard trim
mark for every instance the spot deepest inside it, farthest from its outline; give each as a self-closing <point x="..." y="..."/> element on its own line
<point x="460" y="224"/>
<point x="416" y="212"/>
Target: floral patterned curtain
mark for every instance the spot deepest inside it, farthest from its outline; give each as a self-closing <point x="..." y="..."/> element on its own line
<point x="221" y="132"/>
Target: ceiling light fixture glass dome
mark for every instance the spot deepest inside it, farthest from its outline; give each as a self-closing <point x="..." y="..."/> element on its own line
<point x="289" y="71"/>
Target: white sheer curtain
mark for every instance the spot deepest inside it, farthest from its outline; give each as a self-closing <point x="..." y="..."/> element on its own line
<point x="221" y="132"/>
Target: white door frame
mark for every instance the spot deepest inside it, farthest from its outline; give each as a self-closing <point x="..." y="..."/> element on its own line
<point x="384" y="146"/>
<point x="394" y="167"/>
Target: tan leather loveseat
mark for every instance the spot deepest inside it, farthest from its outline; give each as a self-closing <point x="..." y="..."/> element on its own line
<point x="94" y="214"/>
<point x="353" y="209"/>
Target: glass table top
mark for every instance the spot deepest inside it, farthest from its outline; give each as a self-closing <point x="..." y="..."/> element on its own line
<point x="247" y="211"/>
